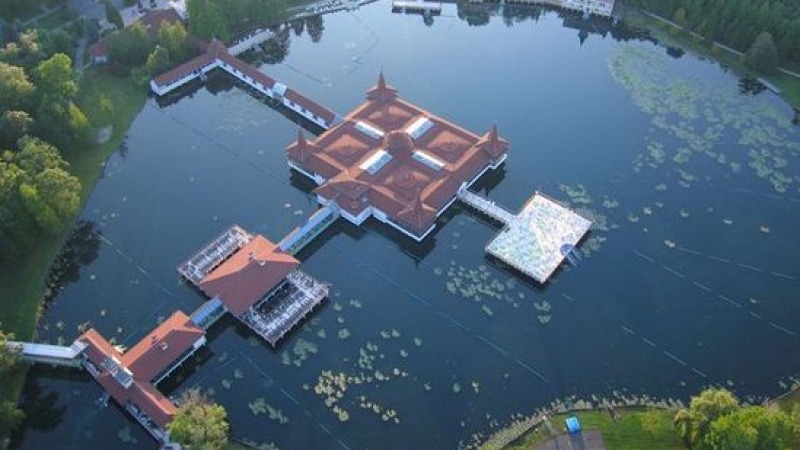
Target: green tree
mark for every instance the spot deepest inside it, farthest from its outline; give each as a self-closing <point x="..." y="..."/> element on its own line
<point x="173" y="37"/>
<point x="762" y="55"/>
<point x="10" y="415"/>
<point x="13" y="125"/>
<point x="55" y="79"/>
<point x="112" y="15"/>
<point x="9" y="360"/>
<point x="693" y="423"/>
<point x="680" y="17"/>
<point x="15" y="87"/>
<point x="158" y="61"/>
<point x="10" y="418"/>
<point x="52" y="198"/>
<point x="129" y="47"/>
<point x="753" y="428"/>
<point x="25" y="51"/>
<point x="199" y="424"/>
<point x="44" y="187"/>
<point x="207" y="19"/>
<point x="58" y="118"/>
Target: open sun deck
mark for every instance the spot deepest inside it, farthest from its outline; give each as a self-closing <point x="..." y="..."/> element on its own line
<point x="536" y="240"/>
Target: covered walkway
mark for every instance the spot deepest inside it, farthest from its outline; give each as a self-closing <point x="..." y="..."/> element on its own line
<point x="217" y="56"/>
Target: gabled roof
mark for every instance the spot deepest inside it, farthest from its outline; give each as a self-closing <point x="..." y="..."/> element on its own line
<point x="248" y="275"/>
<point x="98" y="49"/>
<point x="140" y="391"/>
<point x="156" y="351"/>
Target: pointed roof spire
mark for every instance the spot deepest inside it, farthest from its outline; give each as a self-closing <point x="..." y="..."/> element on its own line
<point x="301" y="149"/>
<point x="381" y="92"/>
<point x="492" y="143"/>
<point x="381" y="81"/>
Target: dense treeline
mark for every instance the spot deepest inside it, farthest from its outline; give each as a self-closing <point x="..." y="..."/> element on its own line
<point x="39" y="119"/>
<point x="736" y="23"/>
<point x="715" y="420"/>
<point x="222" y="19"/>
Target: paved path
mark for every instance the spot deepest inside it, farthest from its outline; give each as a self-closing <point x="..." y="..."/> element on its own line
<point x="587" y="440"/>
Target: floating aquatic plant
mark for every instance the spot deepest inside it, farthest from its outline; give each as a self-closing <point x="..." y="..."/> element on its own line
<point x="344" y="333"/>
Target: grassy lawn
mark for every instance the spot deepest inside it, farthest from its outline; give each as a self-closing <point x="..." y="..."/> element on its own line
<point x="627" y="434"/>
<point x="668" y="35"/>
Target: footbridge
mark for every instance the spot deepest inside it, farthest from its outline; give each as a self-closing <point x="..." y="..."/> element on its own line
<point x="56" y="355"/>
<point x="252" y="39"/>
<point x="314" y="226"/>
<point x="485" y="206"/>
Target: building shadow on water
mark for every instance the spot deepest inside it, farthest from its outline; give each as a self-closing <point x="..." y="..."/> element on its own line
<point x="218" y="82"/>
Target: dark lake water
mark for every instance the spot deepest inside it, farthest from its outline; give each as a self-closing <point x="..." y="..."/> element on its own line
<point x="691" y="275"/>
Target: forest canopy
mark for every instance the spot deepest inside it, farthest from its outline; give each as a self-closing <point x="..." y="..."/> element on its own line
<point x="736" y="23"/>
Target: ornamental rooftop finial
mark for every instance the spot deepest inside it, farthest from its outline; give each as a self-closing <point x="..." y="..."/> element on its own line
<point x="381" y="92"/>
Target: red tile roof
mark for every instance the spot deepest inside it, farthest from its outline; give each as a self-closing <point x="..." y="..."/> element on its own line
<point x="248" y="275"/>
<point x="215" y="48"/>
<point x="409" y="191"/>
<point x="320" y="111"/>
<point x="144" y="360"/>
<point x="98" y="49"/>
<point x="156" y="351"/>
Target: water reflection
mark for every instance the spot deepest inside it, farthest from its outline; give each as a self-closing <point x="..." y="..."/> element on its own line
<point x="80" y="249"/>
<point x="751" y="86"/>
<point x="276" y="49"/>
<point x="42" y="407"/>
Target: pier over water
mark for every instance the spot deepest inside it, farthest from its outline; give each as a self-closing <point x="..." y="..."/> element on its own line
<point x="217" y="56"/>
<point x="537" y="239"/>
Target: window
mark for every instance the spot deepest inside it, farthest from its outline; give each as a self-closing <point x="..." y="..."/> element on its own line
<point x="419" y="127"/>
<point x="375" y="162"/>
<point x="428" y="160"/>
<point x="369" y="130"/>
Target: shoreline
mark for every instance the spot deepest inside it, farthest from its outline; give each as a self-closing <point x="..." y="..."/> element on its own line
<point x="669" y="33"/>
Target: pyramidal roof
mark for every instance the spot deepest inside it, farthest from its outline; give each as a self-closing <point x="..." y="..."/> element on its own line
<point x="417" y="213"/>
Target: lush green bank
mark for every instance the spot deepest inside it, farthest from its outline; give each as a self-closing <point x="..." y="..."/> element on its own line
<point x="22" y="282"/>
<point x="672" y="36"/>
